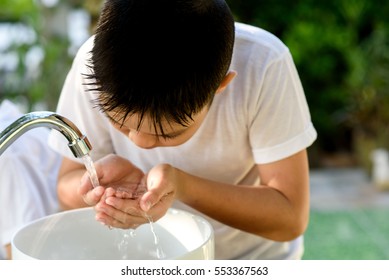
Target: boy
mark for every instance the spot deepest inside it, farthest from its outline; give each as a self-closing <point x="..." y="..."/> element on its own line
<point x="202" y="114"/>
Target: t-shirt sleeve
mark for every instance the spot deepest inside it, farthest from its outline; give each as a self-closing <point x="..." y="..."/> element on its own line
<point x="280" y="123"/>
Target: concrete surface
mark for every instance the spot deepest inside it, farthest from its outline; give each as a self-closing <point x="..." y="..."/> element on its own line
<point x="345" y="189"/>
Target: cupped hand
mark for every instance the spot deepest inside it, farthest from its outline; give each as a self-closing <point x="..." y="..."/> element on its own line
<point x="114" y="173"/>
<point x="121" y="209"/>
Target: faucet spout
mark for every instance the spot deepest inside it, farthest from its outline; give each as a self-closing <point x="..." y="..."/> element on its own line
<point x="78" y="143"/>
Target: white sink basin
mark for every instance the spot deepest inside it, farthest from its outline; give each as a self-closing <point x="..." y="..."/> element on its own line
<point x="75" y="235"/>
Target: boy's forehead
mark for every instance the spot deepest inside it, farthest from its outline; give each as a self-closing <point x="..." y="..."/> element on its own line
<point x="144" y="124"/>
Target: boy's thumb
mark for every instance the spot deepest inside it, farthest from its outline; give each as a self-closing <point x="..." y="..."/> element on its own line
<point x="147" y="201"/>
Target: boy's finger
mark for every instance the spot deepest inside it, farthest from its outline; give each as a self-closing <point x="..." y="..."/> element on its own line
<point x="93" y="196"/>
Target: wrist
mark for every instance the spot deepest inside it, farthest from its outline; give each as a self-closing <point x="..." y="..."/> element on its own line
<point x="180" y="183"/>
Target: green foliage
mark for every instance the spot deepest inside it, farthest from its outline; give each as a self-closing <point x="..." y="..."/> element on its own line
<point x="16" y="10"/>
<point x="341" y="51"/>
<point x="42" y="85"/>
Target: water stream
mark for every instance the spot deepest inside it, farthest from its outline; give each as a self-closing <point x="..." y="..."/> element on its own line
<point x="159" y="253"/>
<point x="90" y="167"/>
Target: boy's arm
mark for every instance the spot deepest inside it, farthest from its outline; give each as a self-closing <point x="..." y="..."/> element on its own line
<point x="69" y="178"/>
<point x="277" y="209"/>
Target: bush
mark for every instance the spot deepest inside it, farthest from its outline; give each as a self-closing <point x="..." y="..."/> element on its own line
<point x="341" y="50"/>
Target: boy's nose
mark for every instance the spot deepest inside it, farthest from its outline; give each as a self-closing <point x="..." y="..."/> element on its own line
<point x="142" y="140"/>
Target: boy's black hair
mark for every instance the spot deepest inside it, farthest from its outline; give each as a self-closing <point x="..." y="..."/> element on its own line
<point x="163" y="59"/>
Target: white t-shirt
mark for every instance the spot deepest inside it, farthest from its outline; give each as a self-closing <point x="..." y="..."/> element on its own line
<point x="261" y="117"/>
<point x="28" y="177"/>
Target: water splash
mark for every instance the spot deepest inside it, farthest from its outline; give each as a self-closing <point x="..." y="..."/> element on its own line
<point x="123" y="244"/>
<point x="130" y="246"/>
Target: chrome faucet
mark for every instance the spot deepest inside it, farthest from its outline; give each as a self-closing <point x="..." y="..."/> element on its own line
<point x="78" y="143"/>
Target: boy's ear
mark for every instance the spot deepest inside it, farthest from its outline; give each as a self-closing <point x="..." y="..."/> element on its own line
<point x="227" y="79"/>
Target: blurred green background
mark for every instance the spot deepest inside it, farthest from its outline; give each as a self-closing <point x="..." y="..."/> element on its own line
<point x="340" y="47"/>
